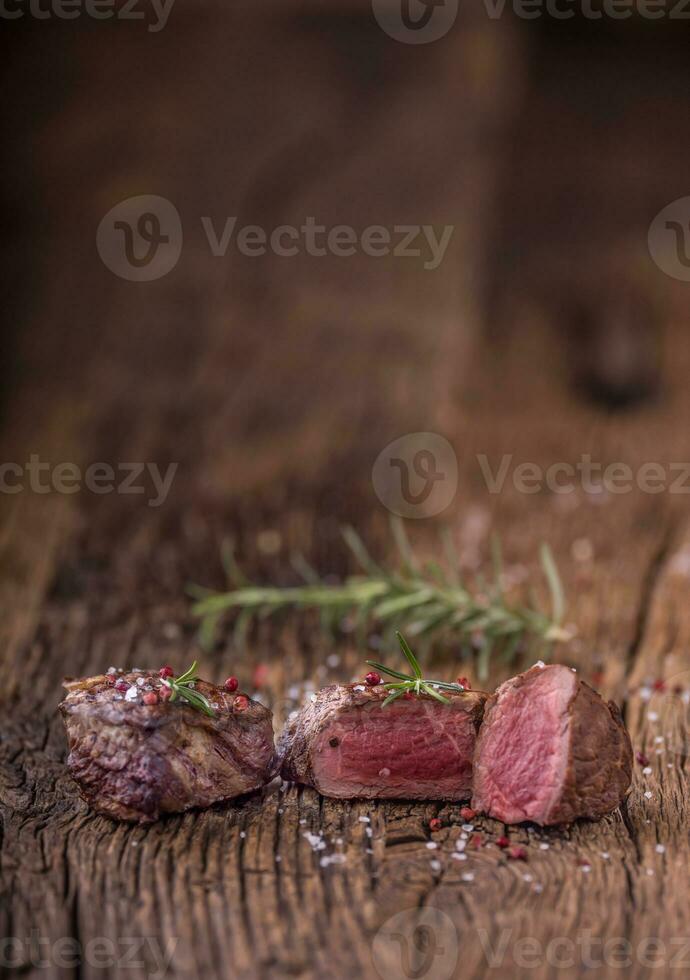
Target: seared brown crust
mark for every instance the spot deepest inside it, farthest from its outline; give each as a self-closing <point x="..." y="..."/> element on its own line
<point x="600" y="759"/>
<point x="302" y="728"/>
<point x="135" y="762"/>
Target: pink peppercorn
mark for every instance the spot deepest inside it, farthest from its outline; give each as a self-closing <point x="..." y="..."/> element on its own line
<point x="502" y="842"/>
<point x="122" y="686"/>
<point x="517" y="853"/>
<point x="435" y="824"/>
<point x="231" y="684"/>
<point x="641" y="758"/>
<point x="166" y="672"/>
<point x="463" y="682"/>
<point x="164" y="692"/>
<point x="372" y="678"/>
<point x="150" y="698"/>
<point x="467" y="813"/>
<point x="241" y="703"/>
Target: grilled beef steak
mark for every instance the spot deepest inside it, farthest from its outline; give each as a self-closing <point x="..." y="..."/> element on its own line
<point x="344" y="744"/>
<point x="550" y="750"/>
<point x="135" y="761"/>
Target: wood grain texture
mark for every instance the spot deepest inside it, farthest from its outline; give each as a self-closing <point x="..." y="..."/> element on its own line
<point x="275" y="413"/>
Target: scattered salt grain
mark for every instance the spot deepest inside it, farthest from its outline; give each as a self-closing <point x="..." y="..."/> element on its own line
<point x="660" y="849"/>
<point x="460" y="845"/>
<point x="538" y="888"/>
<point x="132" y="694"/>
<point x="431" y="845"/>
<point x="652" y="715"/>
<point x="659" y="739"/>
<point x="650" y="872"/>
<point x="647" y="770"/>
<point x="278" y="858"/>
<point x="384" y="772"/>
<point x="605" y="855"/>
<point x="586" y="868"/>
<point x="312" y="697"/>
<point x="468" y="876"/>
<point x="645" y="693"/>
<point x="368" y="831"/>
<point x="540" y="664"/>
<point x="302" y="822"/>
<point x="140" y="681"/>
<point x="528" y="878"/>
<point x="459" y="857"/>
<point x="435" y="865"/>
<point x="364" y="819"/>
<point x="359" y="687"/>
<point x="648" y="794"/>
<point x="544" y="847"/>
<point x="468" y="827"/>
<point x="243" y="834"/>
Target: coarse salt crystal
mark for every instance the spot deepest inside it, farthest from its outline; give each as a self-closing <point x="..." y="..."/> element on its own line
<point x="460" y="845"/>
<point x="659" y="739"/>
<point x="652" y="715"/>
<point x="648" y="794"/>
<point x="528" y="878"/>
<point x="243" y="834"/>
<point x="647" y="770"/>
<point x="435" y="865"/>
<point x="540" y="664"/>
<point x="364" y="819"/>
<point x="359" y="687"/>
<point x="605" y="855"/>
<point x="660" y="849"/>
<point x="459" y="857"/>
<point x="645" y="693"/>
<point x="544" y="847"/>
<point x="384" y="772"/>
<point x="650" y="872"/>
<point x="431" y="845"/>
<point x="469" y="827"/>
<point x="468" y="876"/>
<point x="132" y="694"/>
<point x="538" y="888"/>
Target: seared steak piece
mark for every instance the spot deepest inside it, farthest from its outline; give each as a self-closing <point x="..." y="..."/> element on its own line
<point x="344" y="744"/>
<point x="550" y="750"/>
<point x="135" y="761"/>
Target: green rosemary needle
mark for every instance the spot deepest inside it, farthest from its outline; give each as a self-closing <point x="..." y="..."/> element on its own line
<point x="414" y="682"/>
<point x="426" y="601"/>
<point x="182" y="687"/>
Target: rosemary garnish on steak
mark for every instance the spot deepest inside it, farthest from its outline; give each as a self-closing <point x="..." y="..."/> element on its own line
<point x="415" y="683"/>
<point x="427" y="601"/>
<point x="183" y="687"/>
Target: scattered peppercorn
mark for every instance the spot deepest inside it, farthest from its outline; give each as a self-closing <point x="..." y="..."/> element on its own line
<point x="435" y="824"/>
<point x="467" y="813"/>
<point x="517" y="853"/>
<point x="122" y="686"/>
<point x="110" y="679"/>
<point x="502" y="842"/>
<point x="372" y="678"/>
<point x="166" y="672"/>
<point x="231" y="684"/>
<point x="150" y="697"/>
<point x="463" y="682"/>
<point x="241" y="703"/>
<point x="659" y="684"/>
<point x="641" y="758"/>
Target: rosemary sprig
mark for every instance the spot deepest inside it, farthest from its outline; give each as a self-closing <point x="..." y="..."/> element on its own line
<point x="427" y="601"/>
<point x="413" y="682"/>
<point x="181" y="687"/>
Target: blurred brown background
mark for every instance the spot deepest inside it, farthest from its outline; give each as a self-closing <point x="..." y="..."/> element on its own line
<point x="546" y="332"/>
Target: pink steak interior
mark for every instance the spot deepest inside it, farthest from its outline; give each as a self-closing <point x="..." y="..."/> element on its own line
<point x="410" y="749"/>
<point x="522" y="755"/>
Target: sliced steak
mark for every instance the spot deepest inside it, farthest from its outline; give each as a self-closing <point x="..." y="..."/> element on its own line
<point x="345" y="744"/>
<point x="550" y="750"/>
<point x="136" y="761"/>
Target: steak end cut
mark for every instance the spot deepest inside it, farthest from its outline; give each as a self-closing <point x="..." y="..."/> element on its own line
<point x="135" y="761"/>
<point x="346" y="745"/>
<point x="550" y="750"/>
